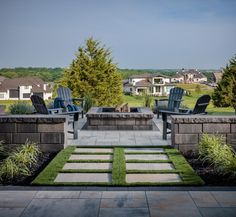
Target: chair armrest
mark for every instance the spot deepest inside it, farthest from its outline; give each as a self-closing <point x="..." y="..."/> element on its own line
<point x="55" y="111"/>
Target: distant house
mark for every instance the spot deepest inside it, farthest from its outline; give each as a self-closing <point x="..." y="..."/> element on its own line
<point x="154" y="84"/>
<point x="23" y="88"/>
<point x="217" y="76"/>
<point x="188" y="76"/>
<point x="2" y="79"/>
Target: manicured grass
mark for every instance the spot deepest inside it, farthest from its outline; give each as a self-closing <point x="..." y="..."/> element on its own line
<point x="118" y="170"/>
<point x="48" y="175"/>
<point x="187" y="173"/>
<point x="119" y="167"/>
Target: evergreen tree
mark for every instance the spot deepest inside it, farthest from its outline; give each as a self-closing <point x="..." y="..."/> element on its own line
<point x="93" y="73"/>
<point x="225" y="93"/>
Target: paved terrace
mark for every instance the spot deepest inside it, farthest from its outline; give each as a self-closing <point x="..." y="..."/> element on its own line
<point x="74" y="203"/>
<point x="120" y="137"/>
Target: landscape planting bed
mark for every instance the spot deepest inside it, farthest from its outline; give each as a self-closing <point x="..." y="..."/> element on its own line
<point x="118" y="166"/>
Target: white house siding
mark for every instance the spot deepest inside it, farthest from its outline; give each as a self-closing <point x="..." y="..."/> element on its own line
<point x="47" y="96"/>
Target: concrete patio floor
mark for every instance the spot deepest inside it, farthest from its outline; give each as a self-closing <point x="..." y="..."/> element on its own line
<point x="120" y="137"/>
<point x="71" y="203"/>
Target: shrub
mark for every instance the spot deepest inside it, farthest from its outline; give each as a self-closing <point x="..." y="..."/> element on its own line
<point x="21" y="108"/>
<point x="3" y="151"/>
<point x="19" y="162"/>
<point x="220" y="155"/>
<point x="147" y="100"/>
<point x="88" y="102"/>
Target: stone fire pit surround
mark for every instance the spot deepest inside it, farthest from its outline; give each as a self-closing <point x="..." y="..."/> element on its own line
<point x="139" y="120"/>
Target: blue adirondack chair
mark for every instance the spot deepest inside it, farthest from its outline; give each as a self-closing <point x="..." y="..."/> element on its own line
<point x="41" y="108"/>
<point x="170" y="104"/>
<point x="199" y="108"/>
<point x="67" y="101"/>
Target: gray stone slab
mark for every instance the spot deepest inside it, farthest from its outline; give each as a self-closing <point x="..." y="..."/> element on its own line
<point x="87" y="166"/>
<point x="149" y="166"/>
<point x="62" y="208"/>
<point x="124" y="194"/>
<point x="218" y="212"/>
<point x="90" y="157"/>
<point x="57" y="194"/>
<point x="83" y="177"/>
<point x="144" y="150"/>
<point x="15" y="199"/>
<point x="225" y="198"/>
<point x="11" y="212"/>
<point x="146" y="157"/>
<point x="165" y="212"/>
<point x="93" y="150"/>
<point x="118" y="212"/>
<point x="152" y="178"/>
<point x="123" y="203"/>
<point x="170" y="200"/>
<point x="91" y="194"/>
<point x="204" y="199"/>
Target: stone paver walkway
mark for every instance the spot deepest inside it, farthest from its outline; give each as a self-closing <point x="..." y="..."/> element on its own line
<point x="73" y="203"/>
<point x="139" y="170"/>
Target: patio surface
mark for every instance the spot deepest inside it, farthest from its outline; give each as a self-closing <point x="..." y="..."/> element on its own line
<point x="74" y="203"/>
<point x="120" y="137"/>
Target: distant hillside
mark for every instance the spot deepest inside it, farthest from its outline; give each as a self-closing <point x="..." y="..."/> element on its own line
<point x="47" y="74"/>
<point x="53" y="74"/>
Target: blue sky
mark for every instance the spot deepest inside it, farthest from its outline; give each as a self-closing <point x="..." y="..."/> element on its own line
<point x="144" y="34"/>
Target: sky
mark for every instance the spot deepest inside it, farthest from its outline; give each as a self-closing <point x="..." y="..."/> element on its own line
<point x="141" y="34"/>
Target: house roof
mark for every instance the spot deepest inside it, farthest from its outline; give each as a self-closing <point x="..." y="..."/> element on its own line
<point x="2" y="78"/>
<point x="143" y="83"/>
<point x="195" y="72"/>
<point x="148" y="75"/>
<point x="36" y="83"/>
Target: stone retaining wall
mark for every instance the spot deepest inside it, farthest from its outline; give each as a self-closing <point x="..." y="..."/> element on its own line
<point x="187" y="130"/>
<point x="49" y="131"/>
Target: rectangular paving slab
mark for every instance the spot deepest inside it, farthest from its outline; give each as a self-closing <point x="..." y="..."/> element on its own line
<point x="152" y="178"/>
<point x="145" y="150"/>
<point x="93" y="150"/>
<point x="87" y="166"/>
<point x="146" y="157"/>
<point x="90" y="157"/>
<point x="83" y="177"/>
<point x="149" y="166"/>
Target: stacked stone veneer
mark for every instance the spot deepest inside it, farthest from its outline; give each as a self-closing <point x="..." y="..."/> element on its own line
<point x="186" y="131"/>
<point x="46" y="130"/>
<point x="141" y="120"/>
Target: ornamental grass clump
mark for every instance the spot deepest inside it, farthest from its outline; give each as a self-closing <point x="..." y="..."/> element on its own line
<point x="21" y="108"/>
<point x="222" y="156"/>
<point x="19" y="162"/>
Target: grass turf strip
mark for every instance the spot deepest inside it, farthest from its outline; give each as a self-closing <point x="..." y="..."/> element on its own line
<point x="119" y="172"/>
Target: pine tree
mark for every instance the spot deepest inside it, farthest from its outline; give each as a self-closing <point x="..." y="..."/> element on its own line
<point x="93" y="73"/>
<point x="225" y="93"/>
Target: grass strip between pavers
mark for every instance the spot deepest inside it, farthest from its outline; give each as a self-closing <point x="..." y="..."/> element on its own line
<point x="157" y="153"/>
<point x="148" y="161"/>
<point x="48" y="175"/>
<point x="92" y="153"/>
<point x="119" y="167"/>
<point x="187" y="174"/>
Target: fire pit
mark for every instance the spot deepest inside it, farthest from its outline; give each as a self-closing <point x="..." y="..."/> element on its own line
<point x="109" y="118"/>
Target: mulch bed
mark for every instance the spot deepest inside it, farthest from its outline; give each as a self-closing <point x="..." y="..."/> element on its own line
<point x="208" y="173"/>
<point x="43" y="161"/>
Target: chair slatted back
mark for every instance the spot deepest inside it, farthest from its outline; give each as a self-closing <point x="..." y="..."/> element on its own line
<point x="175" y="97"/>
<point x="39" y="104"/>
<point x="65" y="94"/>
<point x="201" y="104"/>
